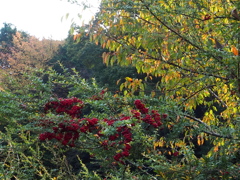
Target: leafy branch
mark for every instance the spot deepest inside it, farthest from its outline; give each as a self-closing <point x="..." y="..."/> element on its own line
<point x="210" y="131"/>
<point x="179" y="35"/>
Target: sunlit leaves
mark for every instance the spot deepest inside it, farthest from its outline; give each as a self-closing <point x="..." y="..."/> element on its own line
<point x="175" y="41"/>
<point x="30" y="52"/>
<point x="131" y="86"/>
<point x="191" y="46"/>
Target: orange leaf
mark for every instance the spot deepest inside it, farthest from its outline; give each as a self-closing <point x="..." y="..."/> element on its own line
<point x="74" y="37"/>
<point x="129" y="79"/>
<point x="234" y="50"/>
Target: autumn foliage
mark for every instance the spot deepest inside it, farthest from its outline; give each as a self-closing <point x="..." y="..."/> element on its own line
<point x="178" y="120"/>
<point x="27" y="52"/>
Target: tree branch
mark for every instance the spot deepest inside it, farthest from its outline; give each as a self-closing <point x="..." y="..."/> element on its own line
<point x="214" y="94"/>
<point x="197" y="92"/>
<point x="178" y="34"/>
<point x="210" y="131"/>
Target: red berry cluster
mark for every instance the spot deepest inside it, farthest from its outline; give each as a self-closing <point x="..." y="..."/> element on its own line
<point x="139" y="105"/>
<point x="121" y="138"/>
<point x="124" y="153"/>
<point x="153" y="118"/>
<point x="127" y="138"/>
<point x="68" y="132"/>
<point x="71" y="106"/>
<point x="176" y="153"/>
<point x="98" y="97"/>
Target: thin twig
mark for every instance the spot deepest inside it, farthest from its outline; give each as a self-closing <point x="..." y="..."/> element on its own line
<point x="210" y="132"/>
<point x="214" y="94"/>
<point x="178" y="34"/>
<point x="142" y="169"/>
<point x="196" y="93"/>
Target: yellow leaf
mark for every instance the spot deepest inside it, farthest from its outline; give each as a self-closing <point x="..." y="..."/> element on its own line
<point x="129" y="79"/>
<point x="1" y="89"/>
<point x="153" y="93"/>
<point x="118" y="81"/>
<point x="200" y="140"/>
<point x="155" y="145"/>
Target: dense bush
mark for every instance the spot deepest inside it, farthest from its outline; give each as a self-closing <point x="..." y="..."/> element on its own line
<point x="117" y="137"/>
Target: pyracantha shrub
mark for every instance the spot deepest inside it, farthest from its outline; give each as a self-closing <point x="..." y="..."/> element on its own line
<point x="69" y="131"/>
<point x="99" y="96"/>
<point x="71" y="106"/>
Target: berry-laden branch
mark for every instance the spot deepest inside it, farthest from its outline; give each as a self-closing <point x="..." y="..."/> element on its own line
<point x="69" y="131"/>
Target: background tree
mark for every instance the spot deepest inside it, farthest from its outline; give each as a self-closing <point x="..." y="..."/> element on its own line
<point x="31" y="52"/>
<point x="24" y="52"/>
<point x="86" y="57"/>
<point x="6" y="34"/>
<point x="6" y="37"/>
<point x="193" y="48"/>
